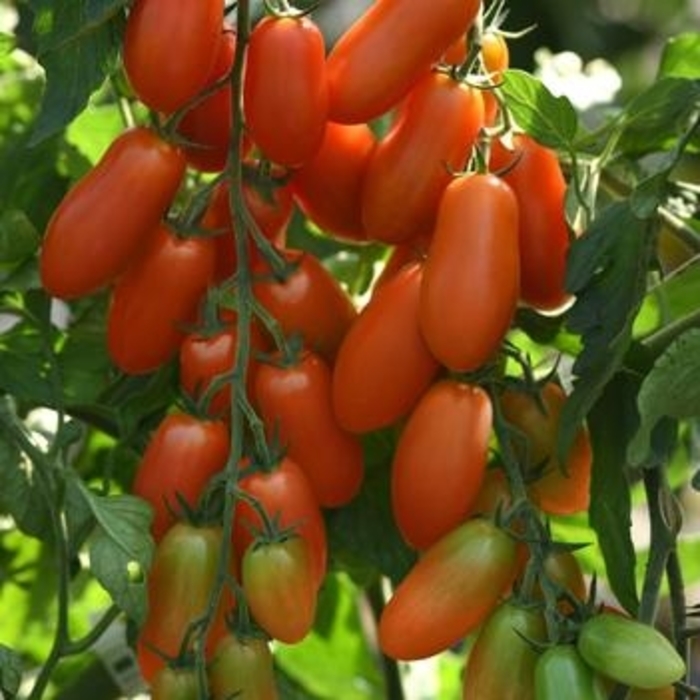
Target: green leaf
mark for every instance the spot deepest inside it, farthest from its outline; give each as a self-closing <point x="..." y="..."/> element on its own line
<point x="548" y="119"/>
<point x="18" y="237"/>
<point x="121" y="549"/>
<point x="10" y="672"/>
<point x="681" y="56"/>
<point x="669" y="390"/>
<point x="611" y="419"/>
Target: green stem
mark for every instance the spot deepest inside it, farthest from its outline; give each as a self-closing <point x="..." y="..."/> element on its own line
<point x="676" y="587"/>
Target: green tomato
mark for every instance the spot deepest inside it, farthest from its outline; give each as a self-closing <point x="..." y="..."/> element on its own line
<point x="560" y="667"/>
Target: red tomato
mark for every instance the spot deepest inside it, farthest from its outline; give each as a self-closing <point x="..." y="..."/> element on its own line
<point x="207" y="125"/>
<point x="309" y="302"/>
<point x="383" y="365"/>
<point x="558" y="489"/>
<point x="388" y="48"/>
<point x="285" y="90"/>
<point x="493" y="494"/>
<point x="155" y="298"/>
<point x="182" y="455"/>
<point x="440" y="460"/>
<point x="449" y="592"/>
<point x="472" y="271"/>
<point x="286" y="494"/>
<point x="291" y="397"/>
<point x="540" y="188"/>
<point x="280" y="588"/>
<point x="327" y="188"/>
<point x="400" y="255"/>
<point x="169" y="50"/>
<point x="409" y="169"/>
<point x="110" y="214"/>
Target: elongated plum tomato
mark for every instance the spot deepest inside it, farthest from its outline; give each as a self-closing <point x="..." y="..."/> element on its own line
<point x="295" y="395"/>
<point x="169" y="50"/>
<point x="509" y="633"/>
<point x="242" y="668"/>
<point x="382" y="55"/>
<point x="155" y="298"/>
<point x="535" y="176"/>
<point x="285" y="89"/>
<point x="440" y="460"/>
<point x="413" y="164"/>
<point x="561" y="666"/>
<point x="327" y="188"/>
<point x="175" y="684"/>
<point x="556" y="488"/>
<point x="383" y="364"/>
<point x="449" y="592"/>
<point x="110" y="214"/>
<point x="471" y="279"/>
<point x="182" y="455"/>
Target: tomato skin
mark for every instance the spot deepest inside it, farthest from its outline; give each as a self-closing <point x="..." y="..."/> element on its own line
<point x="629" y="651"/>
<point x="309" y="302"/>
<point x="383" y="365"/>
<point x="169" y="52"/>
<point x="242" y="668"/>
<point x="561" y="489"/>
<point x="561" y="666"/>
<point x="328" y="187"/>
<point x="563" y="568"/>
<point x="486" y="677"/>
<point x="472" y="269"/>
<point x="396" y="203"/>
<point x="370" y="67"/>
<point x="156" y="296"/>
<point x="540" y="188"/>
<point x="280" y="588"/>
<point x="286" y="74"/>
<point x="284" y="493"/>
<point x="175" y="684"/>
<point x="182" y="455"/>
<point x="110" y="214"/>
<point x="449" y="592"/>
<point x="440" y="461"/>
<point x="293" y="397"/>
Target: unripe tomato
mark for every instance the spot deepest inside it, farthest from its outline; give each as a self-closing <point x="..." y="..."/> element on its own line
<point x="534" y="174"/>
<point x="409" y="169"/>
<point x="155" y="298"/>
<point x="561" y="666"/>
<point x="175" y="684"/>
<point x="169" y="50"/>
<point x="472" y="270"/>
<point x="494" y="54"/>
<point x="285" y="89"/>
<point x="449" y="592"/>
<point x="327" y="187"/>
<point x="383" y="365"/>
<point x="388" y="48"/>
<point x="440" y="460"/>
<point x="110" y="214"/>
<point x="293" y="396"/>
<point x="563" y="568"/>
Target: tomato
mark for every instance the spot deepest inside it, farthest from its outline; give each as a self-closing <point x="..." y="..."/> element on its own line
<point x="293" y="396"/>
<point x="169" y="51"/>
<point x="280" y="588"/>
<point x="387" y="49"/>
<point x="537" y="180"/>
<point x="561" y="666"/>
<point x="494" y="54"/>
<point x="110" y="214"/>
<point x="558" y="489"/>
<point x="309" y="302"/>
<point x="440" y="460"/>
<point x="180" y="584"/>
<point x="208" y="124"/>
<point x="629" y="651"/>
<point x="400" y="255"/>
<point x="175" y="684"/>
<point x="472" y="270"/>
<point x="563" y="568"/>
<point x="242" y="668"/>
<point x="285" y="494"/>
<point x="204" y="357"/>
<point x="411" y="166"/>
<point x="383" y="365"/>
<point x="449" y="592"/>
<point x="182" y="455"/>
<point x="493" y="494"/>
<point x="285" y="77"/>
<point x="327" y="187"/>
<point x="506" y="635"/>
<point x="155" y="298"/>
